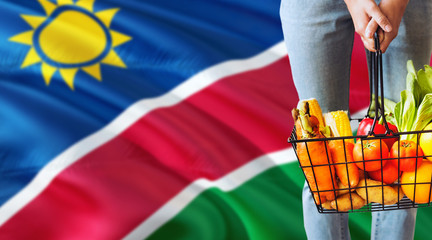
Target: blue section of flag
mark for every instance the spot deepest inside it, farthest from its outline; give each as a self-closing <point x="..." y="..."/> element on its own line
<point x="171" y="41"/>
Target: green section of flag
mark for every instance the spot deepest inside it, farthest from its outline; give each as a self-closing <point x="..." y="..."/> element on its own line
<point x="423" y="223"/>
<point x="266" y="207"/>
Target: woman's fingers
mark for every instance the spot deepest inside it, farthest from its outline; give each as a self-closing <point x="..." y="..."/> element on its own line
<point x="375" y="12"/>
<point x="371" y="28"/>
<point x="384" y="45"/>
<point x="369" y="42"/>
<point x="368" y="18"/>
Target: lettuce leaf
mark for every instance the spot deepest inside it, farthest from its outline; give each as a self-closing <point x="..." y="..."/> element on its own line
<point x="424" y="79"/>
<point x="389" y="106"/>
<point x="413" y="86"/>
<point x="409" y="111"/>
<point x="424" y="113"/>
<point x="398" y="111"/>
<point x="414" y="111"/>
<point x="411" y="68"/>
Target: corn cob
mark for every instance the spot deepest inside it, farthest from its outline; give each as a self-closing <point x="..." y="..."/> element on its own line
<point x="313" y="156"/>
<point x="314" y="110"/>
<point x="339" y="124"/>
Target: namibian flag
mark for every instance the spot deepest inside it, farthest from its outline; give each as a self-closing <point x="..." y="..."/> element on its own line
<point x="150" y="119"/>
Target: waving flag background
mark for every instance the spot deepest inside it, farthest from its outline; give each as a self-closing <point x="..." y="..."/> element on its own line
<point x="151" y="119"/>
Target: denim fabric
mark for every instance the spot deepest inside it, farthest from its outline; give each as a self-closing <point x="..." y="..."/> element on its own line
<point x="321" y="226"/>
<point x="396" y="224"/>
<point x="319" y="38"/>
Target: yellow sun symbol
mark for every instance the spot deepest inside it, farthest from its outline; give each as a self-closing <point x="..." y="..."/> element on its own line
<point x="71" y="37"/>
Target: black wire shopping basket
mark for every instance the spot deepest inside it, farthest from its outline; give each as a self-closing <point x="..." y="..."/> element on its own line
<point x="410" y="189"/>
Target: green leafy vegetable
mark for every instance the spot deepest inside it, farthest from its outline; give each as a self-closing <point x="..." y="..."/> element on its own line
<point x="424" y="113"/>
<point x="414" y="111"/>
<point x="389" y="107"/>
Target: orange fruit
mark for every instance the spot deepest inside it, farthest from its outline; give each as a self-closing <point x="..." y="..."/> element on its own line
<point x="389" y="171"/>
<point x="425" y="142"/>
<point x="422" y="186"/>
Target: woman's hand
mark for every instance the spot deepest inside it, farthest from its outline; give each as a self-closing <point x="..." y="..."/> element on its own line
<point x="394" y="10"/>
<point x="367" y="16"/>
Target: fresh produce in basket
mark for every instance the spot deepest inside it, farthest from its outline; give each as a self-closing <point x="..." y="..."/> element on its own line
<point x="420" y="183"/>
<point x="339" y="124"/>
<point x="327" y="205"/>
<point x="366" y="125"/>
<point x="414" y="111"/>
<point x="344" y="175"/>
<point x="313" y="153"/>
<point x="389" y="171"/>
<point x="425" y="142"/>
<point x="342" y="156"/>
<point x="342" y="197"/>
<point x="312" y="121"/>
<point x="408" y="154"/>
<point x="378" y="193"/>
<point x="342" y="150"/>
<point x="314" y="109"/>
<point x="342" y="189"/>
<point x="348" y="201"/>
<point x="370" y="154"/>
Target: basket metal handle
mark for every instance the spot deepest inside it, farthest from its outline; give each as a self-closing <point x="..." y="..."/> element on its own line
<point x="376" y="86"/>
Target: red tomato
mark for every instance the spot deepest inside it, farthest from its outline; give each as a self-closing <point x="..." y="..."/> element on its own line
<point x="391" y="141"/>
<point x="373" y="151"/>
<point x="408" y="155"/>
<point x="366" y="124"/>
<point x="389" y="171"/>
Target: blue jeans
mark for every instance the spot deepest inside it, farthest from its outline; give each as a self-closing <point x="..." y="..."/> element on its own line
<point x="319" y="37"/>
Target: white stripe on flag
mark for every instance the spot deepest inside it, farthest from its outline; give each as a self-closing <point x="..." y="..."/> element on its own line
<point x="136" y="111"/>
<point x="226" y="183"/>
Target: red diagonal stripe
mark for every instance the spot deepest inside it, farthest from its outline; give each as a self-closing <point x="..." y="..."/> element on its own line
<point x="108" y="192"/>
